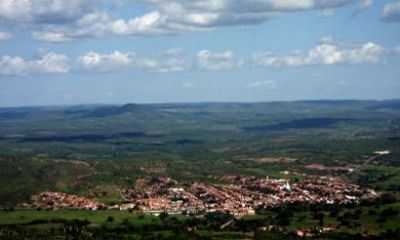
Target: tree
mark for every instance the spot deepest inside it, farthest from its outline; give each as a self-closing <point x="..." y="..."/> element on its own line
<point x="284" y="217"/>
<point x="163" y="216"/>
<point x="319" y="216"/>
<point x="110" y="219"/>
<point x="387" y="213"/>
<point x="387" y="198"/>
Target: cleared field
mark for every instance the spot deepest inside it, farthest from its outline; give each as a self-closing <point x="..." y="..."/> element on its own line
<point x="96" y="217"/>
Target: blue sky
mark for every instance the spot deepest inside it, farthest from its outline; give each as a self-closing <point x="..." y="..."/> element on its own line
<point x="56" y="52"/>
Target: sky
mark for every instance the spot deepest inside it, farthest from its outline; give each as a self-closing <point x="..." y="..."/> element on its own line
<point x="57" y="52"/>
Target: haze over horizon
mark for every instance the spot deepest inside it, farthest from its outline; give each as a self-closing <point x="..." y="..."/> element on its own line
<point x="55" y="52"/>
<point x="122" y="104"/>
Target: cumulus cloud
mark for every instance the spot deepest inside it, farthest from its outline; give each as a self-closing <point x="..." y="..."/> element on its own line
<point x="5" y="36"/>
<point x="197" y="14"/>
<point x="151" y="23"/>
<point x="105" y="62"/>
<point x="48" y="63"/>
<point x="60" y="20"/>
<point x="55" y="20"/>
<point x="217" y="61"/>
<point x="53" y="37"/>
<point x="44" y="11"/>
<point x="251" y="5"/>
<point x="363" y="5"/>
<point x="326" y="53"/>
<point x="100" y="24"/>
<point x="169" y="61"/>
<point x="91" y="25"/>
<point x="391" y="12"/>
<point x="366" y="3"/>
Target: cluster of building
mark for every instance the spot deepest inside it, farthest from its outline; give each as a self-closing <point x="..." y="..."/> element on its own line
<point x="236" y="195"/>
<point x="56" y="200"/>
<point x="240" y="196"/>
<point x="312" y="232"/>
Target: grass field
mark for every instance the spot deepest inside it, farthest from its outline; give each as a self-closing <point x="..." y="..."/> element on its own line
<point x="96" y="217"/>
<point x="372" y="220"/>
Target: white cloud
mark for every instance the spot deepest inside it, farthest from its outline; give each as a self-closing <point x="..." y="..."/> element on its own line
<point x="391" y="12"/>
<point x="326" y="53"/>
<point x="170" y="61"/>
<point x="105" y="62"/>
<point x="5" y="36"/>
<point x="91" y="25"/>
<point x="51" y="63"/>
<point x="160" y="65"/>
<point x="151" y="23"/>
<point x="366" y="3"/>
<point x="217" y="61"/>
<point x="100" y="24"/>
<point x="56" y="20"/>
<point x="197" y="14"/>
<point x="53" y="37"/>
<point x="44" y="11"/>
<point x="48" y="63"/>
<point x="60" y="20"/>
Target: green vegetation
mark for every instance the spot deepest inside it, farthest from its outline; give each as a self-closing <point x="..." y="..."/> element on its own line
<point x="346" y="222"/>
<point x="98" y="217"/>
<point x="94" y="151"/>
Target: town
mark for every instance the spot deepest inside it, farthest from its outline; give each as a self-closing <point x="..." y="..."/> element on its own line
<point x="236" y="195"/>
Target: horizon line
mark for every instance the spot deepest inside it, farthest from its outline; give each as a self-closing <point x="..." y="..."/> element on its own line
<point x="198" y="102"/>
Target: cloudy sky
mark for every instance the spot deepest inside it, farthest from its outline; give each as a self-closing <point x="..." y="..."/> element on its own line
<point x="55" y="52"/>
